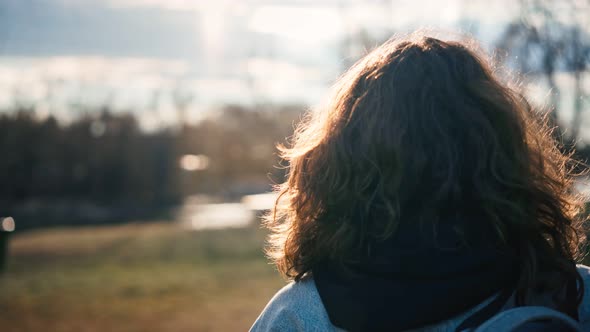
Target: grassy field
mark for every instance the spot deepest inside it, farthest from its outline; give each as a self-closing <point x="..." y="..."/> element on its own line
<point x="136" y="277"/>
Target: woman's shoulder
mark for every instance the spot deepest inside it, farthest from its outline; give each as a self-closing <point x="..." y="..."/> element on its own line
<point x="584" y="308"/>
<point x="296" y="307"/>
<point x="298" y="296"/>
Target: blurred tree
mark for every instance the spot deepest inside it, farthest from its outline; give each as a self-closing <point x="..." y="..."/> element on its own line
<point x="102" y="161"/>
<point x="551" y="37"/>
<point x="182" y="98"/>
<point x="240" y="144"/>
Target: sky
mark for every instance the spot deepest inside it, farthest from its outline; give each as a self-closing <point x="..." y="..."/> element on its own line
<point x="149" y="55"/>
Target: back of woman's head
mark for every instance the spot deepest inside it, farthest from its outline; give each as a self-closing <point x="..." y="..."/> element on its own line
<point x="421" y="130"/>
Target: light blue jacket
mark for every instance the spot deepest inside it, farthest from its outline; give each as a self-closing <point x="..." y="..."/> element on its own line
<point x="298" y="307"/>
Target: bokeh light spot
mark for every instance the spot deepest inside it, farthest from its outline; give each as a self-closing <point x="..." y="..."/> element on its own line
<point x="8" y="224"/>
<point x="194" y="162"/>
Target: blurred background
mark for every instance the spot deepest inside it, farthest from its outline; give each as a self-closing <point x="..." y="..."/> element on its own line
<point x="137" y="139"/>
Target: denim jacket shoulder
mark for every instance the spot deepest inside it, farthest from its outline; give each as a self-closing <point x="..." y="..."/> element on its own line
<point x="298" y="307"/>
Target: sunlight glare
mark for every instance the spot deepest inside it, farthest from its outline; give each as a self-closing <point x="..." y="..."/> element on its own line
<point x="306" y="24"/>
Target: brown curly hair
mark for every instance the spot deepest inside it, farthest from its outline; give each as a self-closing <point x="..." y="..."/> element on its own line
<point x="427" y="126"/>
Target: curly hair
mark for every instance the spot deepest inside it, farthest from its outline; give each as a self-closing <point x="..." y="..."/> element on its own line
<point x="428" y="127"/>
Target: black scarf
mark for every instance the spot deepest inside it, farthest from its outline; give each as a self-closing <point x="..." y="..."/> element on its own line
<point x="412" y="280"/>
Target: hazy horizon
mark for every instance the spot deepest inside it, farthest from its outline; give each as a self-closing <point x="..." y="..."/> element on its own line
<point x="135" y="54"/>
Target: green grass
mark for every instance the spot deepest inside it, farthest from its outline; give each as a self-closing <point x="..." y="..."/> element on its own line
<point x="137" y="277"/>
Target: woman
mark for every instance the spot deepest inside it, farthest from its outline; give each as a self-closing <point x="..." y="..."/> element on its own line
<point x="426" y="195"/>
